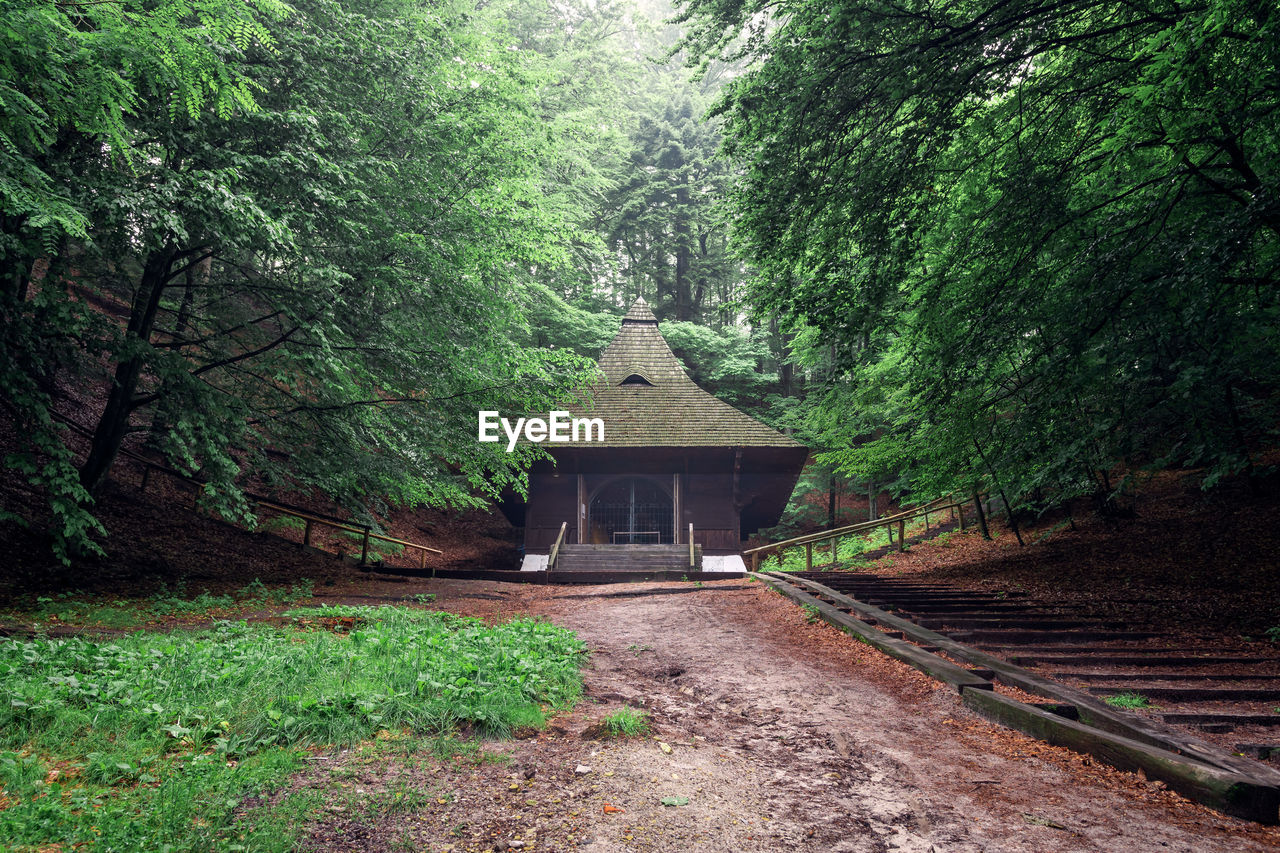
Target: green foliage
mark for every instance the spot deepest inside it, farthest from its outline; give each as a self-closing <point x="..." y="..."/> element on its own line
<point x="812" y="614"/>
<point x="159" y="738"/>
<point x="626" y="722"/>
<point x="1034" y="243"/>
<point x="72" y="608"/>
<point x="72" y="75"/>
<point x="1129" y="700"/>
<point x="323" y="286"/>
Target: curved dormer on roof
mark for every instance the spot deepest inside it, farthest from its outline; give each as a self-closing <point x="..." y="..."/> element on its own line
<point x="638" y="379"/>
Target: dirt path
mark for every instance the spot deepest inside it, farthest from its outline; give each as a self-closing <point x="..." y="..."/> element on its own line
<point x="781" y="734"/>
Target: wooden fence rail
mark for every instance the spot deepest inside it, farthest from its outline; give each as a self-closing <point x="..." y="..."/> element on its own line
<point x="308" y="518"/>
<point x="833" y="535"/>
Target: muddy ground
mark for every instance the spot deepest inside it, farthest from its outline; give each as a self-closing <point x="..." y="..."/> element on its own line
<point x="781" y="734"/>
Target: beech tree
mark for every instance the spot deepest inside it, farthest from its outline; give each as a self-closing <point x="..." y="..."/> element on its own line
<point x="1041" y="239"/>
<point x="316" y="288"/>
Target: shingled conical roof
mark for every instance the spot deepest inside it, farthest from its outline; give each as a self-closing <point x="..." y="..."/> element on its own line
<point x="647" y="400"/>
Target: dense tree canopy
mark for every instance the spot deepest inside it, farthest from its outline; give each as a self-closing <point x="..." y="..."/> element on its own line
<point x="1040" y="240"/>
<point x="317" y="288"/>
<point x="994" y="245"/>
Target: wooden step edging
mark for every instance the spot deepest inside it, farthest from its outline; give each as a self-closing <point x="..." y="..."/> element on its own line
<point x="1197" y="771"/>
<point x="1226" y="791"/>
<point x="930" y="664"/>
<point x="1093" y="710"/>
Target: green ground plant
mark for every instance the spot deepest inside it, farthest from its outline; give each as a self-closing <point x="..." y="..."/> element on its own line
<point x="1129" y="700"/>
<point x="152" y="742"/>
<point x="626" y="722"/>
<point x="75" y="608"/>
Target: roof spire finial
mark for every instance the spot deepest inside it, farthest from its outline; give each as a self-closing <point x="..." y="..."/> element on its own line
<point x="639" y="313"/>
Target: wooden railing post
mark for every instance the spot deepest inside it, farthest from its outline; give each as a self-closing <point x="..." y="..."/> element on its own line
<point x="364" y="547"/>
<point x="902" y="534"/>
<point x="808" y="556"/>
<point x="555" y="549"/>
<point x="755" y="562"/>
<point x="306" y="533"/>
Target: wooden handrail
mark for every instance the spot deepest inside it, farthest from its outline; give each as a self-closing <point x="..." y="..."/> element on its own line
<point x="555" y="549"/>
<point x="364" y="530"/>
<point x="308" y="517"/>
<point x="900" y="519"/>
<point x="857" y="528"/>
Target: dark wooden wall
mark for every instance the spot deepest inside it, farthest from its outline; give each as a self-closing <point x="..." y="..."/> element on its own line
<point x="706" y="500"/>
<point x="708" y="503"/>
<point x="552" y="501"/>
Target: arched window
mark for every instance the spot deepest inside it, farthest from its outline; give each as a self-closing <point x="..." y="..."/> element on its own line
<point x="631" y="511"/>
<point x="636" y="379"/>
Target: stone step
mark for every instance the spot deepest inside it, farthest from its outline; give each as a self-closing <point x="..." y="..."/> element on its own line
<point x="628" y="558"/>
<point x="630" y="549"/>
<point x="563" y="562"/>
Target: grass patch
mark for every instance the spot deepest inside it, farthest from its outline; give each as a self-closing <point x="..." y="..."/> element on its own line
<point x="1129" y="699"/>
<point x="73" y="608"/>
<point x="151" y="742"/>
<point x="626" y="722"/>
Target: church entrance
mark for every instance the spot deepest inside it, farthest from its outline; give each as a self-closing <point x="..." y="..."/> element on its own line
<point x="631" y="511"/>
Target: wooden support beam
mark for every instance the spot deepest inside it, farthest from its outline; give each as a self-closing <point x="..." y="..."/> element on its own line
<point x="1225" y="790"/>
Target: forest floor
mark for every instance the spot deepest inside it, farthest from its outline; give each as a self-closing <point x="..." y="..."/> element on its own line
<point x="779" y="733"/>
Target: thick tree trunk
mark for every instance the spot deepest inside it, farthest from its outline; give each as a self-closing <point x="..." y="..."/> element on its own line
<point x="114" y="421"/>
<point x="872" y="513"/>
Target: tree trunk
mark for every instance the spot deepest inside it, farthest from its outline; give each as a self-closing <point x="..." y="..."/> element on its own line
<point x="198" y="273"/>
<point x="872" y="514"/>
<point x="115" y="416"/>
<point x="982" y="516"/>
<point x="831" y="501"/>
